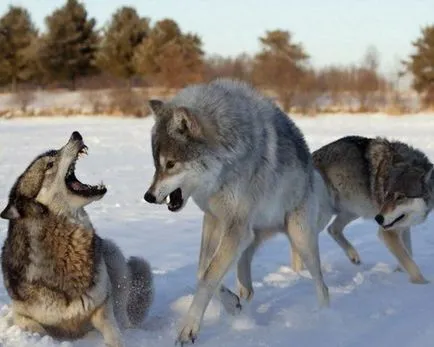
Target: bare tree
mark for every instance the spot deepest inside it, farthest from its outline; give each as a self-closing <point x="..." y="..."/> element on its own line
<point x="368" y="80"/>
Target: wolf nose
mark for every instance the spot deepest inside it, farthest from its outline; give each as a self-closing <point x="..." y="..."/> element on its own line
<point x="379" y="219"/>
<point x="149" y="197"/>
<point x="76" y="136"/>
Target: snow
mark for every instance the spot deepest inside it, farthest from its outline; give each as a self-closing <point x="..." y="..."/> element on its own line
<point x="371" y="305"/>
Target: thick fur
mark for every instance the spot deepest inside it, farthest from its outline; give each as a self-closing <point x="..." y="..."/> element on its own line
<point x="61" y="276"/>
<point x="375" y="177"/>
<point x="247" y="166"/>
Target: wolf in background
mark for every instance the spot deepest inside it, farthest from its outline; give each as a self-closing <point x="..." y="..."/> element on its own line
<point x="389" y="181"/>
<point x="62" y="277"/>
<point x="248" y="168"/>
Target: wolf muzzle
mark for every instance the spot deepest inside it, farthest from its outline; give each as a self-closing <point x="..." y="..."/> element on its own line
<point x="149" y="197"/>
<point x="379" y="219"/>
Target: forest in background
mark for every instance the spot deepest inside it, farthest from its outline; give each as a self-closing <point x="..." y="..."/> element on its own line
<point x="132" y="58"/>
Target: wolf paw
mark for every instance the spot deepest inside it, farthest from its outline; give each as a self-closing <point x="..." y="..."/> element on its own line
<point x="419" y="280"/>
<point x="354" y="257"/>
<point x="245" y="293"/>
<point x="116" y="343"/>
<point x="230" y="301"/>
<point x="188" y="334"/>
<point x="323" y="296"/>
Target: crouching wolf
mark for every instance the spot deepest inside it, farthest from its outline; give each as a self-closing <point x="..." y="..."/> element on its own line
<point x="248" y="168"/>
<point x="62" y="278"/>
<point x="376" y="178"/>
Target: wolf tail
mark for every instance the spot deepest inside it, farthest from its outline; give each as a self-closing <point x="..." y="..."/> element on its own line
<point x="141" y="291"/>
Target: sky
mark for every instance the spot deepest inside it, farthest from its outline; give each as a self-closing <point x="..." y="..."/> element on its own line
<point x="332" y="31"/>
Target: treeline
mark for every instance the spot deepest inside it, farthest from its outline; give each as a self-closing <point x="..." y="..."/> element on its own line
<point x="71" y="48"/>
<point x="131" y="51"/>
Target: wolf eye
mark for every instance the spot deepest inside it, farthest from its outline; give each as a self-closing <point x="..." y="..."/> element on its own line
<point x="50" y="165"/>
<point x="170" y="164"/>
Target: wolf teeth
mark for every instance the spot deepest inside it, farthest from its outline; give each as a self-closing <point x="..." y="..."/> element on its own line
<point x="83" y="152"/>
<point x="167" y="200"/>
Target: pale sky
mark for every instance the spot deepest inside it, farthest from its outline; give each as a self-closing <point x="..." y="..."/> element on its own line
<point x="332" y="31"/>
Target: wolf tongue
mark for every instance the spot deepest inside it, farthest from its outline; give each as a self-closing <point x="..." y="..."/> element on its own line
<point x="76" y="185"/>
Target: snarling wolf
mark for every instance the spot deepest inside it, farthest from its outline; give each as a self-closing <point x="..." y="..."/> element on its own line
<point x="388" y="181"/>
<point x="62" y="277"/>
<point x="248" y="168"/>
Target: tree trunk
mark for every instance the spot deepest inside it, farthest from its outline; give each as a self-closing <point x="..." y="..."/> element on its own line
<point x="73" y="82"/>
<point x="14" y="84"/>
<point x="285" y="98"/>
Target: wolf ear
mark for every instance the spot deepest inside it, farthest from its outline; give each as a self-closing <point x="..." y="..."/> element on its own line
<point x="186" y="123"/>
<point x="156" y="107"/>
<point x="10" y="212"/>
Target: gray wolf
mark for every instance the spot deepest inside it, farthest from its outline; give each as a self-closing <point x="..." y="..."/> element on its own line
<point x="376" y="178"/>
<point x="248" y="168"/>
<point x="61" y="276"/>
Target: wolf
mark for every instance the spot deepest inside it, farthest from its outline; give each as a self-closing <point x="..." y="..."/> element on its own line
<point x="375" y="178"/>
<point x="248" y="168"/>
<point x="63" y="278"/>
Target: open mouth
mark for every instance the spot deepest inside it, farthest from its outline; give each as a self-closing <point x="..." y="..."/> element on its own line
<point x="401" y="217"/>
<point x="174" y="200"/>
<point x="78" y="188"/>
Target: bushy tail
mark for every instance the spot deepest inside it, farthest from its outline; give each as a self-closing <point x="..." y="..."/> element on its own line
<point x="141" y="290"/>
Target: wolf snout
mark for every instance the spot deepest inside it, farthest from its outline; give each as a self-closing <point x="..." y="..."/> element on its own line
<point x="149" y="197"/>
<point x="76" y="136"/>
<point x="379" y="219"/>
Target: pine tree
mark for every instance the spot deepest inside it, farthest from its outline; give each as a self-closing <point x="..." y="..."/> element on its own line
<point x="169" y="57"/>
<point x="280" y="65"/>
<point x="421" y="65"/>
<point x="125" y="32"/>
<point x="68" y="49"/>
<point x="17" y="37"/>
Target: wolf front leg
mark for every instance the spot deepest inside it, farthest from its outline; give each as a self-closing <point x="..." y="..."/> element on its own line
<point x="28" y="324"/>
<point x="406" y="240"/>
<point x="232" y="234"/>
<point x="395" y="245"/>
<point x="103" y="319"/>
<point x="210" y="240"/>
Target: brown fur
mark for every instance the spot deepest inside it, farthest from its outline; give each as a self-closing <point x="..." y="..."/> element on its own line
<point x="67" y="254"/>
<point x="62" y="278"/>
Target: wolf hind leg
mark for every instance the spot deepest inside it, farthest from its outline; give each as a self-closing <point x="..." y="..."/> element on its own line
<point x="141" y="291"/>
<point x="305" y="240"/>
<point x="336" y="230"/>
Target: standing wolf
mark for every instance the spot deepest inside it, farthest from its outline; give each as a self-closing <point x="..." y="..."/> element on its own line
<point x="61" y="276"/>
<point x="247" y="166"/>
<point x="376" y="178"/>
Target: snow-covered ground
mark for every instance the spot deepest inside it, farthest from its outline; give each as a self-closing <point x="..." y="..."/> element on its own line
<point x="370" y="304"/>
